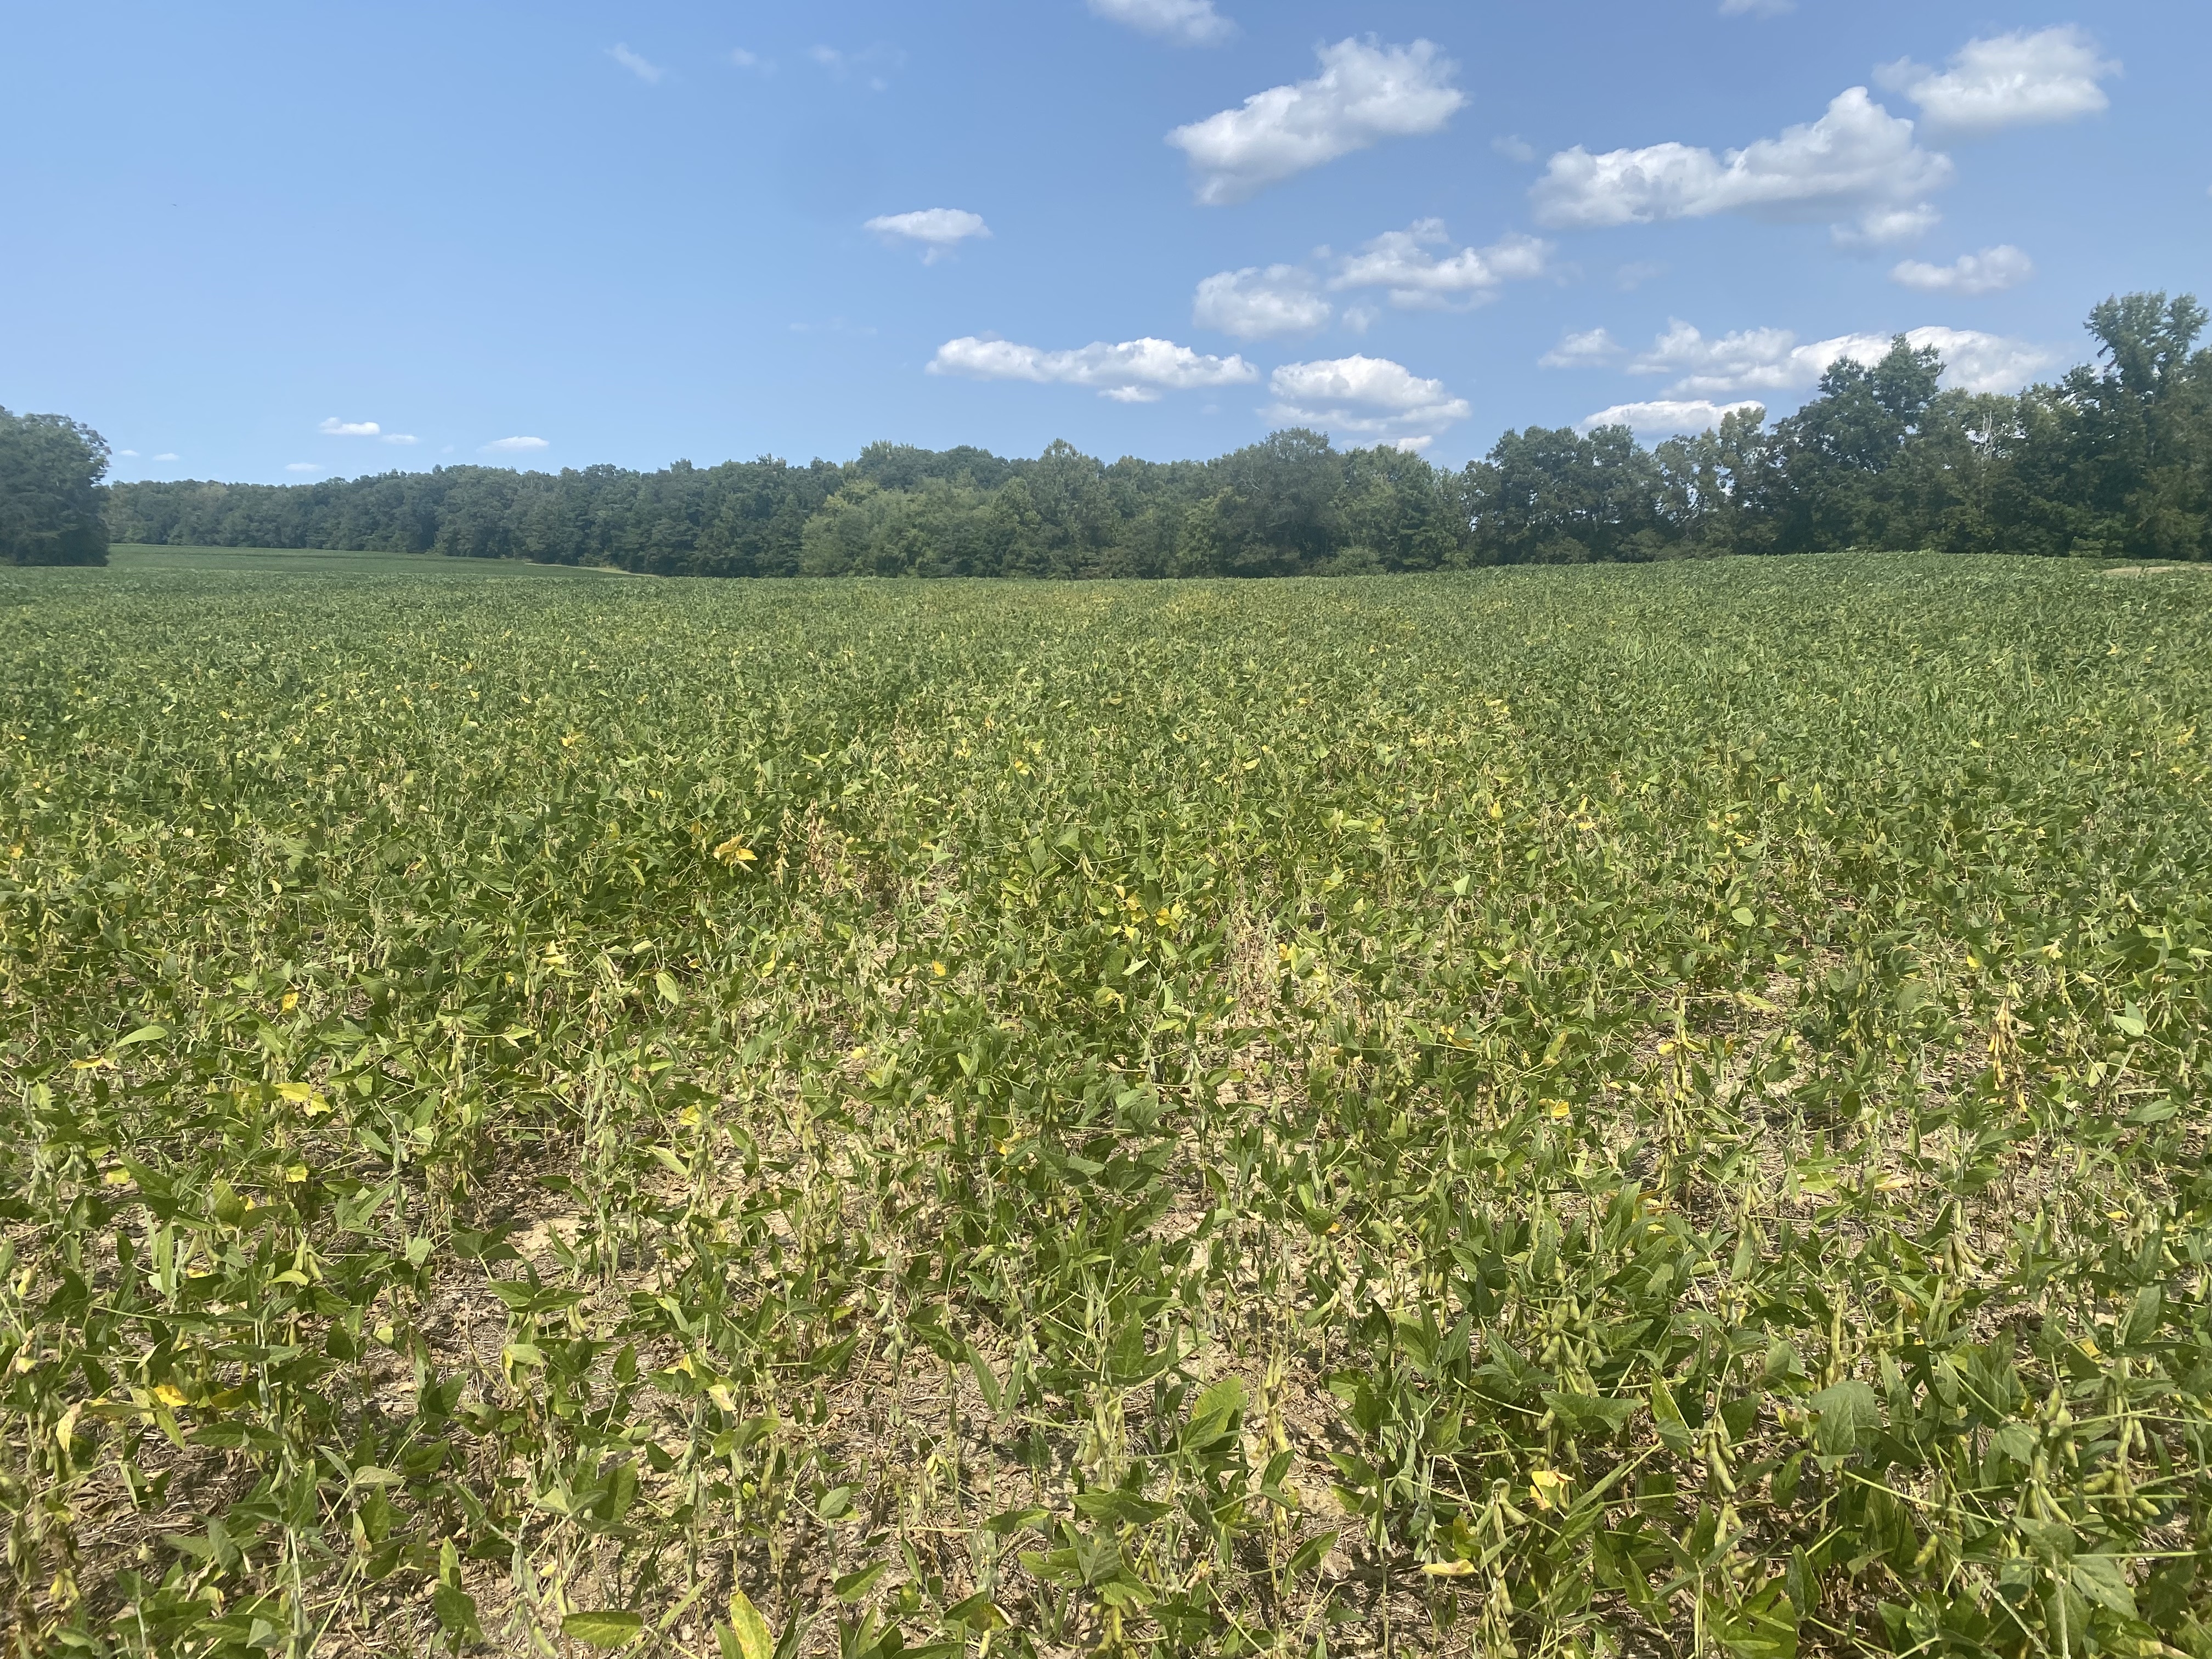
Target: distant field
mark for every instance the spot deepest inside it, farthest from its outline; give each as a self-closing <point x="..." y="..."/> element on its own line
<point x="1653" y="1110"/>
<point x="129" y="557"/>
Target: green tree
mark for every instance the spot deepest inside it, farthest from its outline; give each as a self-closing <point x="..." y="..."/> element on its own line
<point x="2119" y="457"/>
<point x="50" y="498"/>
<point x="1558" y="496"/>
<point x="1272" y="505"/>
<point x="1713" y="487"/>
<point x="1952" y="483"/>
<point x="1395" y="512"/>
<point x="1837" y="453"/>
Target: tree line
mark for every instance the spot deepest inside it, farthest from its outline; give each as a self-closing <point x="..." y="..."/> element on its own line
<point x="2113" y="459"/>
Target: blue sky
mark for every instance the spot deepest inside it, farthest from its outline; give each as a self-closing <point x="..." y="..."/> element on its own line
<point x="230" y="232"/>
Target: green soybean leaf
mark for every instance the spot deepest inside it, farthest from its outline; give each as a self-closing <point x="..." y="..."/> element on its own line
<point x="607" y="1629"/>
<point x="1845" y="1415"/>
<point x="854" y="1585"/>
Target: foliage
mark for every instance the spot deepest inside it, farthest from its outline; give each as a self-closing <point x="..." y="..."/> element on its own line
<point x="1655" y="1109"/>
<point x="1564" y="497"/>
<point x="49" y="491"/>
<point x="2115" y="461"/>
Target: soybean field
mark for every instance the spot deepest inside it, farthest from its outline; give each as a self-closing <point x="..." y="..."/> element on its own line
<point x="1626" y="1110"/>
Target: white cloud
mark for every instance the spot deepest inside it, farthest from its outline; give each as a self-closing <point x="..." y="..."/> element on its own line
<point x="1370" y="396"/>
<point x="1265" y="302"/>
<point x="1513" y="147"/>
<point x="648" y="73"/>
<point x="1771" y="360"/>
<point x="1665" y="417"/>
<point x="1972" y="361"/>
<point x="1992" y="271"/>
<point x="875" y="64"/>
<point x="1887" y="227"/>
<point x="1752" y="359"/>
<point x="1186" y="22"/>
<point x="2009" y="81"/>
<point x="515" y="445"/>
<point x="1591" y="349"/>
<point x="170" y="457"/>
<point x="1633" y="275"/>
<point x="1133" y="372"/>
<point x="1419" y="280"/>
<point x="939" y="230"/>
<point x="301" y="466"/>
<point x="1857" y="162"/>
<point x="336" y="427"/>
<point x="1366" y="93"/>
<point x="751" y="60"/>
<point x="127" y="454"/>
<point x="1257" y="304"/>
<point x="401" y="438"/>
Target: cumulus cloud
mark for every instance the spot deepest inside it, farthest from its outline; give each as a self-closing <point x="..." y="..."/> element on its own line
<point x="1857" y="164"/>
<point x="1417" y="266"/>
<point x="648" y="73"/>
<point x="515" y="445"/>
<point x="1133" y="372"/>
<point x="1419" y="279"/>
<point x="1186" y="22"/>
<point x="1752" y="359"/>
<point x="751" y="60"/>
<point x="939" y="230"/>
<point x="1992" y="271"/>
<point x="1666" y="416"/>
<point x="2008" y="80"/>
<point x="1591" y="349"/>
<point x="171" y="456"/>
<point x="1366" y="93"/>
<point x="401" y="438"/>
<point x="1370" y="396"/>
<point x="1771" y="359"/>
<point x="301" y="466"/>
<point x="1972" y="361"/>
<point x="336" y="427"/>
<point x="1259" y="303"/>
<point x="1513" y="147"/>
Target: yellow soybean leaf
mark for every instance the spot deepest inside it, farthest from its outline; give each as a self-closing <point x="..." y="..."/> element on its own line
<point x="749" y="1636"/>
